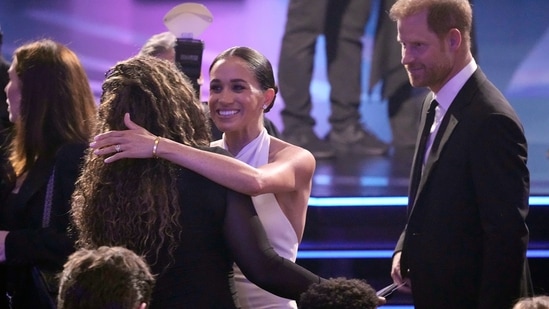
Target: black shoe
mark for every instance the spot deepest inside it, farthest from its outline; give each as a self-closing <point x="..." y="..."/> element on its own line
<point x="357" y="140"/>
<point x="308" y="140"/>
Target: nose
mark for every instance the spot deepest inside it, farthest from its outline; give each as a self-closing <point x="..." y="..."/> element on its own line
<point x="224" y="96"/>
<point x="406" y="56"/>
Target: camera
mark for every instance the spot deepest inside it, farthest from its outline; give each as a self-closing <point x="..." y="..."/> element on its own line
<point x="187" y="21"/>
<point x="188" y="57"/>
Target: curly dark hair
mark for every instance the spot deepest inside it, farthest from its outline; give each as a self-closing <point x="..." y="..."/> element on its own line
<point x="339" y="293"/>
<point x="134" y="202"/>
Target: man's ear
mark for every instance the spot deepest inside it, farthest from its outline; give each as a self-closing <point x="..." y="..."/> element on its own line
<point x="454" y="38"/>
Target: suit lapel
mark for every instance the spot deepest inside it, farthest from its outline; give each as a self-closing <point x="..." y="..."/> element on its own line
<point x="416" y="166"/>
<point x="35" y="180"/>
<point x="445" y="131"/>
<point x="447" y="126"/>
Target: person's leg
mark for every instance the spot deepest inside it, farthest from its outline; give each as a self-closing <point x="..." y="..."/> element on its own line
<point x="346" y="21"/>
<point x="345" y="25"/>
<point x="305" y="22"/>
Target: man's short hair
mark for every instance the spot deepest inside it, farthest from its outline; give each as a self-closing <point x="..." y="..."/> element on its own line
<point x="106" y="277"/>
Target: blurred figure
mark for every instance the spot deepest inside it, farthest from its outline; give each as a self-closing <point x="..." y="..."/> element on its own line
<point x="105" y="278"/>
<point x="342" y="22"/>
<point x="277" y="174"/>
<point x="160" y="45"/>
<point x="5" y="124"/>
<point x="464" y="245"/>
<point x="535" y="302"/>
<point x="339" y="293"/>
<point x="190" y="228"/>
<point x="53" y="110"/>
<point x="403" y="100"/>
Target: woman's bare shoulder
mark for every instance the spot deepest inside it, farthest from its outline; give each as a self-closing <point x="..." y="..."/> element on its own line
<point x="284" y="150"/>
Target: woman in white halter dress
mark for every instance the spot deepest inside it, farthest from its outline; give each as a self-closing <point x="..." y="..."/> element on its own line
<point x="278" y="175"/>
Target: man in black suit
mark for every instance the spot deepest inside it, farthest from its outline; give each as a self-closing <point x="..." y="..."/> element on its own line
<point x="465" y="242"/>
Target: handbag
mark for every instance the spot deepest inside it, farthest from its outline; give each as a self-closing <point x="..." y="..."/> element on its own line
<point x="47" y="282"/>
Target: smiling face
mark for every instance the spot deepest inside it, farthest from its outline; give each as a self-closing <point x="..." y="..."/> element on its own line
<point x="236" y="99"/>
<point x="427" y="58"/>
<point x="13" y="93"/>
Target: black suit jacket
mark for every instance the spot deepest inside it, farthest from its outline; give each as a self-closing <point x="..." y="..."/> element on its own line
<point x="465" y="242"/>
<point x="28" y="243"/>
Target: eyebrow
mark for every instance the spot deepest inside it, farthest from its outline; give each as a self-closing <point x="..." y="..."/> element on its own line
<point x="234" y="80"/>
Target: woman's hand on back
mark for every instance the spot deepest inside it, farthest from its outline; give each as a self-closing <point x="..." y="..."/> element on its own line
<point x="136" y="142"/>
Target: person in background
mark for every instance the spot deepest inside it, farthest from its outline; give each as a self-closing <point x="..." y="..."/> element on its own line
<point x="160" y="45"/>
<point x="339" y="293"/>
<point x="403" y="100"/>
<point x="534" y="302"/>
<point x="52" y="107"/>
<point x="5" y="123"/>
<point x="105" y="278"/>
<point x="278" y="175"/>
<point x="464" y="245"/>
<point x="189" y="228"/>
<point x="342" y="22"/>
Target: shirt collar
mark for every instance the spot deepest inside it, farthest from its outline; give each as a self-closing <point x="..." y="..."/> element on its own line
<point x="449" y="91"/>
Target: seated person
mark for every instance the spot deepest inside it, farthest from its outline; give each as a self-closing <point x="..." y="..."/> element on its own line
<point x="106" y="277"/>
<point x="339" y="293"/>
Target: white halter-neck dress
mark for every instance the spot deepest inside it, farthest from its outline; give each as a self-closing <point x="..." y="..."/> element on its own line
<point x="279" y="230"/>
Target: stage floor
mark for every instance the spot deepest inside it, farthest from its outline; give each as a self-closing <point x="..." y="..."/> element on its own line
<point x="388" y="176"/>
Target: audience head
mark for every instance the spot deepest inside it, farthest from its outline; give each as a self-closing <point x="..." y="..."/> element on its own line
<point x="339" y="293"/>
<point x="442" y="15"/>
<point x="138" y="194"/>
<point x="536" y="302"/>
<point x="105" y="278"/>
<point x="50" y="101"/>
<point x="257" y="65"/>
<point x="161" y="45"/>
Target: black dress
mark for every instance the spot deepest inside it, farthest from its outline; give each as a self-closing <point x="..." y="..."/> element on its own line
<point x="219" y="227"/>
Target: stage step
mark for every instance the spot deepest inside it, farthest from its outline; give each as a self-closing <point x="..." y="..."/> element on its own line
<point x="354" y="238"/>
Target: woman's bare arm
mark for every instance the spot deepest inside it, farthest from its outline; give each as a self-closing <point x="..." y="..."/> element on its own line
<point x="291" y="167"/>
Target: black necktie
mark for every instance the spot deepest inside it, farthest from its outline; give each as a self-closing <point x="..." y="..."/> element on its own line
<point x="418" y="164"/>
<point x="429" y="118"/>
